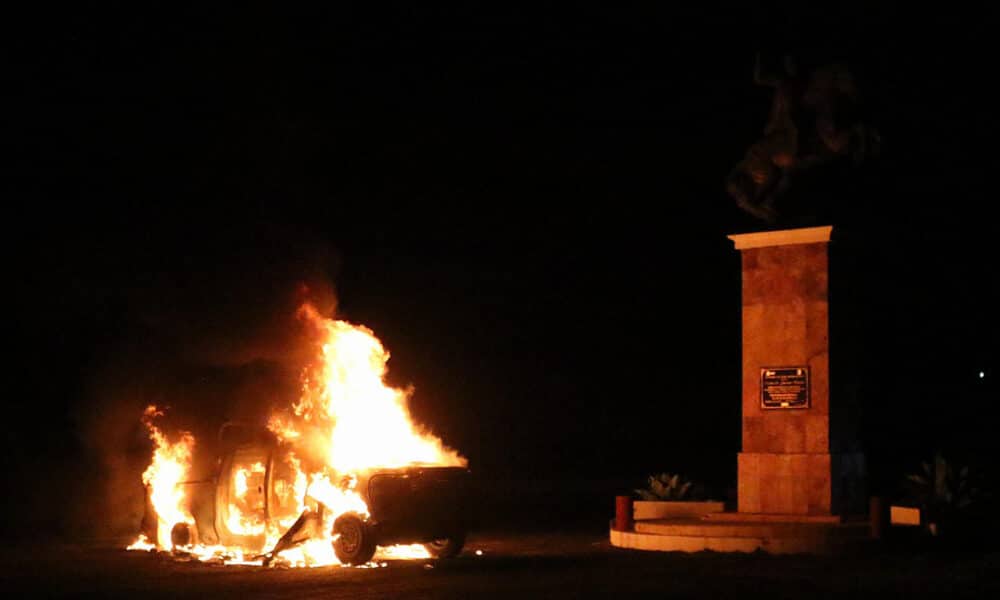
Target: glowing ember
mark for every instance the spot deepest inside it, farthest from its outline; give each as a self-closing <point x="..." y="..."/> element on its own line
<point x="403" y="551"/>
<point x="141" y="543"/>
<point x="346" y="423"/>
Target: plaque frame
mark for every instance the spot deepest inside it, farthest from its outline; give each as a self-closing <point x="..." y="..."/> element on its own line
<point x="787" y="406"/>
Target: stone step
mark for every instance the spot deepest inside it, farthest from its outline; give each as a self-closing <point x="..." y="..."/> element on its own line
<point x="707" y="528"/>
<point x="680" y="543"/>
<point x="773" y="518"/>
<point x="719" y="543"/>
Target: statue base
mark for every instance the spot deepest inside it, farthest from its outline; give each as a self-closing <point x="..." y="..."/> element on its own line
<point x="799" y="456"/>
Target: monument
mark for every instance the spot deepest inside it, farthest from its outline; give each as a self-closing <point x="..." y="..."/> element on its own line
<point x="800" y="454"/>
<point x="800" y="471"/>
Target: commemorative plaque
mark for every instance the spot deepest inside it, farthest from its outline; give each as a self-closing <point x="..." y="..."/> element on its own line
<point x="784" y="387"/>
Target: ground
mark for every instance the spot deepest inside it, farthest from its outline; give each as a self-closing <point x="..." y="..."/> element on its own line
<point x="512" y="565"/>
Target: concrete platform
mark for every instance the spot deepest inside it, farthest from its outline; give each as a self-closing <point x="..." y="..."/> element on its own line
<point x="733" y="535"/>
<point x="773" y="518"/>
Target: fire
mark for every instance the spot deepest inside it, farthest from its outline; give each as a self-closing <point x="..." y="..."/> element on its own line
<point x="169" y="467"/>
<point x="346" y="423"/>
<point x="363" y="422"/>
<point x="243" y="478"/>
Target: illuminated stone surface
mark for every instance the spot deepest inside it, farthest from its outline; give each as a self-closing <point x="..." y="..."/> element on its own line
<point x="693" y="535"/>
<point x="794" y="461"/>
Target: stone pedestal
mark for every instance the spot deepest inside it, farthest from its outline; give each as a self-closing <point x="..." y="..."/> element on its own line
<point x="796" y="459"/>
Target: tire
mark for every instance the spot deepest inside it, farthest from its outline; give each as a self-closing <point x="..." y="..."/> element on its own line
<point x="355" y="544"/>
<point x="448" y="547"/>
<point x="183" y="534"/>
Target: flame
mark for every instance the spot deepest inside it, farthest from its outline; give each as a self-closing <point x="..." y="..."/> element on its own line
<point x="363" y="423"/>
<point x="338" y="499"/>
<point x="169" y="467"/>
<point x="237" y="521"/>
<point x="141" y="543"/>
<point x="347" y="421"/>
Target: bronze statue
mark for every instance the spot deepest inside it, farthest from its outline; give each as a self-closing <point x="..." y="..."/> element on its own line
<point x="815" y="119"/>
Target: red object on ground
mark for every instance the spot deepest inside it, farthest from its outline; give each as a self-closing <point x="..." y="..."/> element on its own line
<point x="623" y="513"/>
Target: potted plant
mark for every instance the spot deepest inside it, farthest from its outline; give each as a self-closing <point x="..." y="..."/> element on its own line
<point x="672" y="496"/>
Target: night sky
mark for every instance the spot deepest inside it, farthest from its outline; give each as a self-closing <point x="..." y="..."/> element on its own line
<point x="526" y="205"/>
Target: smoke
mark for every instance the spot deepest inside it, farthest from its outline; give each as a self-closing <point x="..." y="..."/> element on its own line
<point x="205" y="327"/>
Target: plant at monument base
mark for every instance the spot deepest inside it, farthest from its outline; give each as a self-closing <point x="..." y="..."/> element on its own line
<point x="667" y="487"/>
<point x="943" y="491"/>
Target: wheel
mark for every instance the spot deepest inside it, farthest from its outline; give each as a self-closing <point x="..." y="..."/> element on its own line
<point x="182" y="534"/>
<point x="355" y="544"/>
<point x="448" y="547"/>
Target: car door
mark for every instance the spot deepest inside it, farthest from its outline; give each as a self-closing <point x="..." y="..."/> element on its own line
<point x="241" y="498"/>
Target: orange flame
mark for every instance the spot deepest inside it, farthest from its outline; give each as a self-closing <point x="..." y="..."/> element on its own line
<point x="170" y="466"/>
<point x="363" y="422"/>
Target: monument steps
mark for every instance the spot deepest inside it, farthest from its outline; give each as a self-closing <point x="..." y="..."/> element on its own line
<point x="731" y="535"/>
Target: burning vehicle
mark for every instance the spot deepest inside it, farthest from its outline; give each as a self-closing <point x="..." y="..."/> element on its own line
<point x="253" y="490"/>
<point x="341" y="476"/>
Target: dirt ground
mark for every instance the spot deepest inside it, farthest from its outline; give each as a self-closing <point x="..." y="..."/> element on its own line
<point x="527" y="565"/>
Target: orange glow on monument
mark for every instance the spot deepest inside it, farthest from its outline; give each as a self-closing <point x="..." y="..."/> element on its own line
<point x="346" y="423"/>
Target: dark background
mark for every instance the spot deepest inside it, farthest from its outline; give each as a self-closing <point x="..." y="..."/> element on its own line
<point x="525" y="204"/>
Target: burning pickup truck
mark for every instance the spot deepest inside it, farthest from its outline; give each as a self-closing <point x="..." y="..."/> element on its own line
<point x="256" y="493"/>
<point x="341" y="472"/>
